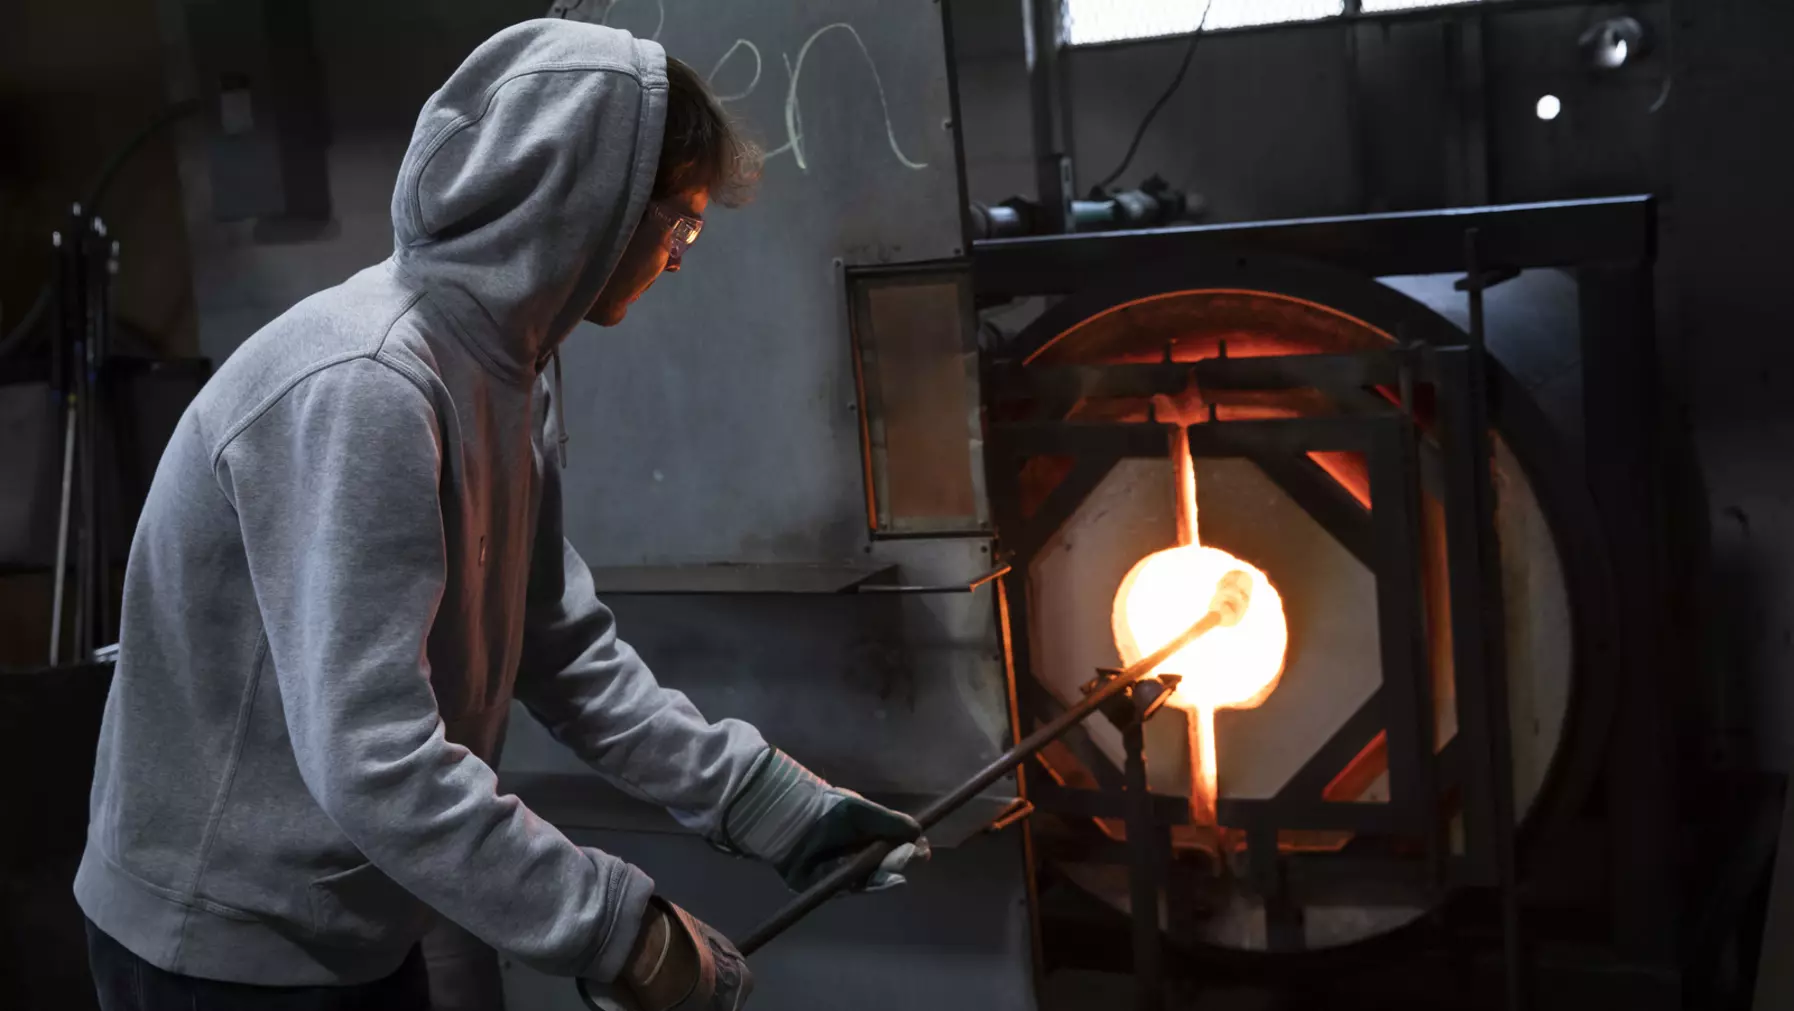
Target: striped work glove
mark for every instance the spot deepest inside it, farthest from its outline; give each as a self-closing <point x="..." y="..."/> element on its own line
<point x="787" y="816"/>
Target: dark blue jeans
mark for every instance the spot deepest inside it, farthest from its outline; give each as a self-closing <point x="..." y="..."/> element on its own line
<point x="128" y="983"/>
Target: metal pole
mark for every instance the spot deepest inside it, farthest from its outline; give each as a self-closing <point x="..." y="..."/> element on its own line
<point x="1229" y="604"/>
<point x="1494" y="660"/>
<point x="1143" y="860"/>
<point x="1043" y="26"/>
<point x="86" y="609"/>
<point x="62" y="529"/>
<point x="1030" y="883"/>
<point x="61" y="362"/>
<point x="104" y="632"/>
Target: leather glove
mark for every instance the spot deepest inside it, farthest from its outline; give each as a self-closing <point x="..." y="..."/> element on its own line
<point x="804" y="827"/>
<point x="678" y="964"/>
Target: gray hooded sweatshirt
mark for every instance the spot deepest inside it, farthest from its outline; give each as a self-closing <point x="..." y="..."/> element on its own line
<point x="351" y="561"/>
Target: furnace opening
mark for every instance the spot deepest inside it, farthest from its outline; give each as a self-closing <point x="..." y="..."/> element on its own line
<point x="1302" y="726"/>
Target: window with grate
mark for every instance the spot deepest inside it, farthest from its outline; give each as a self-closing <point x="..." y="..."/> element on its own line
<point x="1092" y="22"/>
<point x="1373" y="6"/>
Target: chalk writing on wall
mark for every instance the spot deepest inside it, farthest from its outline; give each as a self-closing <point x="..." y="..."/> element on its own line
<point x="602" y="11"/>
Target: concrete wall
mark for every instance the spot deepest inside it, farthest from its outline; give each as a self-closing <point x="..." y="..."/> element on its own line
<point x="1291" y="147"/>
<point x="76" y="83"/>
<point x="993" y="97"/>
<point x="1728" y="218"/>
<point x="380" y="62"/>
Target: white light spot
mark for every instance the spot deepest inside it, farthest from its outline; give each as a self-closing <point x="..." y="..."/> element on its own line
<point x="658" y="476"/>
<point x="1549" y="107"/>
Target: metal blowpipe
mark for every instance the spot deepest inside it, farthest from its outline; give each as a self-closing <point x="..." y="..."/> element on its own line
<point x="1233" y="593"/>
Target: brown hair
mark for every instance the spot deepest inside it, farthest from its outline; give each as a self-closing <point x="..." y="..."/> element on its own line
<point x="702" y="147"/>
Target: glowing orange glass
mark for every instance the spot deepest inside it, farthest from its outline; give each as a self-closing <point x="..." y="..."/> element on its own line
<point x="1233" y="667"/>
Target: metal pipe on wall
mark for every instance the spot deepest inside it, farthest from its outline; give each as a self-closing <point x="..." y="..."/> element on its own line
<point x="1042" y="27"/>
<point x="1153" y="204"/>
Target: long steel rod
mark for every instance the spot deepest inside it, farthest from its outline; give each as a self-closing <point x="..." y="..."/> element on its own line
<point x="853" y="871"/>
<point x="1232" y="597"/>
<point x="62" y="531"/>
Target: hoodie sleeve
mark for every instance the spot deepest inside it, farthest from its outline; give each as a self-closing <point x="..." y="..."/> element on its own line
<point x="596" y="696"/>
<point x="335" y="486"/>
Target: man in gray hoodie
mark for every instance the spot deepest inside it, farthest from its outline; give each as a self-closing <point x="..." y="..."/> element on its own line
<point x="351" y="561"/>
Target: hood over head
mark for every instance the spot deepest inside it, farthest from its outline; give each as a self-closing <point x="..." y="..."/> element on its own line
<point x="525" y="177"/>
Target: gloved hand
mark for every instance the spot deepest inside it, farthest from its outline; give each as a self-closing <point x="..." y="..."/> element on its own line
<point x="677" y="963"/>
<point x="804" y="827"/>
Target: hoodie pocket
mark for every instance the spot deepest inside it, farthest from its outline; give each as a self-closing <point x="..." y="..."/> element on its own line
<point x="363" y="906"/>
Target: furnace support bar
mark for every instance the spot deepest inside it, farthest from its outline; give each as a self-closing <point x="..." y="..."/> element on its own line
<point x="991" y="576"/>
<point x="1232" y="595"/>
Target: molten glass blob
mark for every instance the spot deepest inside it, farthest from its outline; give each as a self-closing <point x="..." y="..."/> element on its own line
<point x="1232" y="667"/>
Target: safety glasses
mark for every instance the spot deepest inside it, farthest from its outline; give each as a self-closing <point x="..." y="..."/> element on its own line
<point x="682" y="231"/>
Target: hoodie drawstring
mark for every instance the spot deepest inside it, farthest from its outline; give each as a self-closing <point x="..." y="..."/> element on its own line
<point x="560" y="413"/>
